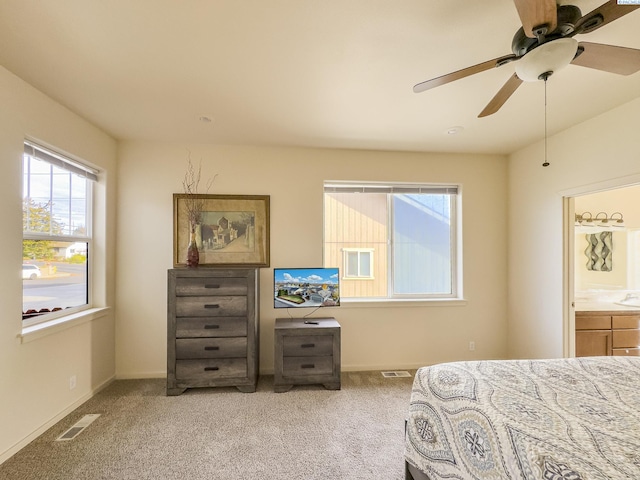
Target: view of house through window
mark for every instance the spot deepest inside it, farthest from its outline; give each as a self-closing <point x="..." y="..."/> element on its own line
<point x="391" y="241"/>
<point x="56" y="233"/>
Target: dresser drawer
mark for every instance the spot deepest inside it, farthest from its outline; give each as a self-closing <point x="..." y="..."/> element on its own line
<point x="626" y="321"/>
<point x="209" y="369"/>
<point x="189" y="327"/>
<point x="307" y="345"/>
<point x="222" y="306"/>
<point x="206" y="286"/>
<point x="211" y="347"/>
<point x="593" y="322"/>
<point x="307" y="366"/>
<point x="627" y="352"/>
<point x="626" y="338"/>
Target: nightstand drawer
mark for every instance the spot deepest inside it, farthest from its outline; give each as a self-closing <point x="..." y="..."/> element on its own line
<point x="221" y="306"/>
<point x="307" y="345"/>
<point x="307" y="366"/>
<point x="209" y="369"/>
<point x="206" y="286"/>
<point x="187" y="327"/>
<point x="211" y="347"/>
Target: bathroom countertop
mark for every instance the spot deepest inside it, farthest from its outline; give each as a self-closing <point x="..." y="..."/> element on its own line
<point x="607" y="301"/>
<point x="605" y="307"/>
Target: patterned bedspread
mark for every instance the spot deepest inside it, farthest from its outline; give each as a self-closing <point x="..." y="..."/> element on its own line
<point x="564" y="419"/>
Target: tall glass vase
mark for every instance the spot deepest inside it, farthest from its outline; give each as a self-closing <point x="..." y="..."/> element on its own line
<point x="193" y="256"/>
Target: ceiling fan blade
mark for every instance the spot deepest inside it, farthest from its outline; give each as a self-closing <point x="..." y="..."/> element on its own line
<point x="537" y="13"/>
<point x="608" y="58"/>
<point x="605" y="13"/>
<point x="465" y="72"/>
<point x="502" y="96"/>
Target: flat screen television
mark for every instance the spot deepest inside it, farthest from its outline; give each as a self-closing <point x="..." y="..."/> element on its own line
<point x="306" y="287"/>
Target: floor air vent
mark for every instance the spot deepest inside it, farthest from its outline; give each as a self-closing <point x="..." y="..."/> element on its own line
<point x="77" y="429"/>
<point x="396" y="374"/>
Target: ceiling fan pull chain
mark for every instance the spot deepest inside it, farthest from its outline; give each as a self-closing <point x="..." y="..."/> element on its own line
<point x="546" y="162"/>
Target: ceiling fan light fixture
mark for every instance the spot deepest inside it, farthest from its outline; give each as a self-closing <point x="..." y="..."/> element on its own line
<point x="546" y="59"/>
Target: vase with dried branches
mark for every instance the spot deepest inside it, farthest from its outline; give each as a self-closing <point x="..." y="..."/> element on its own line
<point x="194" y="205"/>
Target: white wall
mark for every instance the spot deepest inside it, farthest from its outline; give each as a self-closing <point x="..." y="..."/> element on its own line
<point x="372" y="338"/>
<point x="34" y="386"/>
<point x="605" y="149"/>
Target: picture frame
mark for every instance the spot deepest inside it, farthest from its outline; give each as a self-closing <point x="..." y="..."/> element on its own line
<point x="234" y="231"/>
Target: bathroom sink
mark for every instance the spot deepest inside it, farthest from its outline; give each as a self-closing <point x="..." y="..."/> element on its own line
<point x="631" y="300"/>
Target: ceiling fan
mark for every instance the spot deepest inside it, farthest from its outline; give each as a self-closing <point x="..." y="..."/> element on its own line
<point x="544" y="44"/>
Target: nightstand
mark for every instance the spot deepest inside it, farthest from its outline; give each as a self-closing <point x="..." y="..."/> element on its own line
<point x="307" y="351"/>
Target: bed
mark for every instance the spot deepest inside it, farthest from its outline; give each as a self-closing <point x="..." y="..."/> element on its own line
<point x="560" y="419"/>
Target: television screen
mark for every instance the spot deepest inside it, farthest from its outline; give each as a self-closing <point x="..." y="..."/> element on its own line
<point x="306" y="287"/>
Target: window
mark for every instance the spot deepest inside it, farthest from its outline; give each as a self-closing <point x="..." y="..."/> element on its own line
<point x="358" y="262"/>
<point x="392" y="241"/>
<point x="56" y="234"/>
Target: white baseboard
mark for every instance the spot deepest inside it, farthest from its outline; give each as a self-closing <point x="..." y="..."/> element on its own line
<point x="375" y="368"/>
<point x="11" y="451"/>
<point x="363" y="368"/>
<point x="140" y="375"/>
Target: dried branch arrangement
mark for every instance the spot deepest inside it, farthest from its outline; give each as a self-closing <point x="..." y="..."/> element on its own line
<point x="194" y="203"/>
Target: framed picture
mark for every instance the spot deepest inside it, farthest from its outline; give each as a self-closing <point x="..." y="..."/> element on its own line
<point x="233" y="231"/>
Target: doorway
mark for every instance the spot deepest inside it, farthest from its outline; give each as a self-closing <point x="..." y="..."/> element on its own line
<point x="590" y="281"/>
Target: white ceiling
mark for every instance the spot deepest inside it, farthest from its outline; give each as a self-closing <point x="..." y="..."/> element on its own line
<point x="321" y="73"/>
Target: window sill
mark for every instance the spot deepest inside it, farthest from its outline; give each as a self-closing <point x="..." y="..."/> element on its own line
<point x="59" y="324"/>
<point x="402" y="303"/>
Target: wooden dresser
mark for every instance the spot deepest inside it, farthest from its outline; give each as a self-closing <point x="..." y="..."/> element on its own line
<point x="212" y="328"/>
<point x="607" y="333"/>
<point x="307" y="351"/>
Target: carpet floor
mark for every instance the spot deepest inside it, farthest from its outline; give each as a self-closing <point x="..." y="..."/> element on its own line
<point x="221" y="434"/>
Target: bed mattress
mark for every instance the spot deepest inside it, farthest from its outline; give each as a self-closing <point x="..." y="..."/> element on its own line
<point x="560" y="419"/>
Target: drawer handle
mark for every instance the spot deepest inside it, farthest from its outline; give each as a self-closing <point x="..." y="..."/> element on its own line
<point x="211" y="285"/>
<point x="212" y="305"/>
<point x="211" y="369"/>
<point x="307" y="365"/>
<point x="212" y="348"/>
<point x="211" y="327"/>
<point x="308" y="345"/>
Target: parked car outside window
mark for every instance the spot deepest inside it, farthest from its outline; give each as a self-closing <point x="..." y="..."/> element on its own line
<point x="30" y="272"/>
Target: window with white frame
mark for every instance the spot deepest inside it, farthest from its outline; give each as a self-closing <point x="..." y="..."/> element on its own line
<point x="392" y="241"/>
<point x="358" y="262"/>
<point x="56" y="234"/>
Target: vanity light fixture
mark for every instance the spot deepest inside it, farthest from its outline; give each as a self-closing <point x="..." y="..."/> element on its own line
<point x="602" y="219"/>
<point x="584" y="220"/>
<point x="614" y="220"/>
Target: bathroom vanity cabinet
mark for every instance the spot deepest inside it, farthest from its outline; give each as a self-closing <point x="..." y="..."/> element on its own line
<point x="607" y="333"/>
